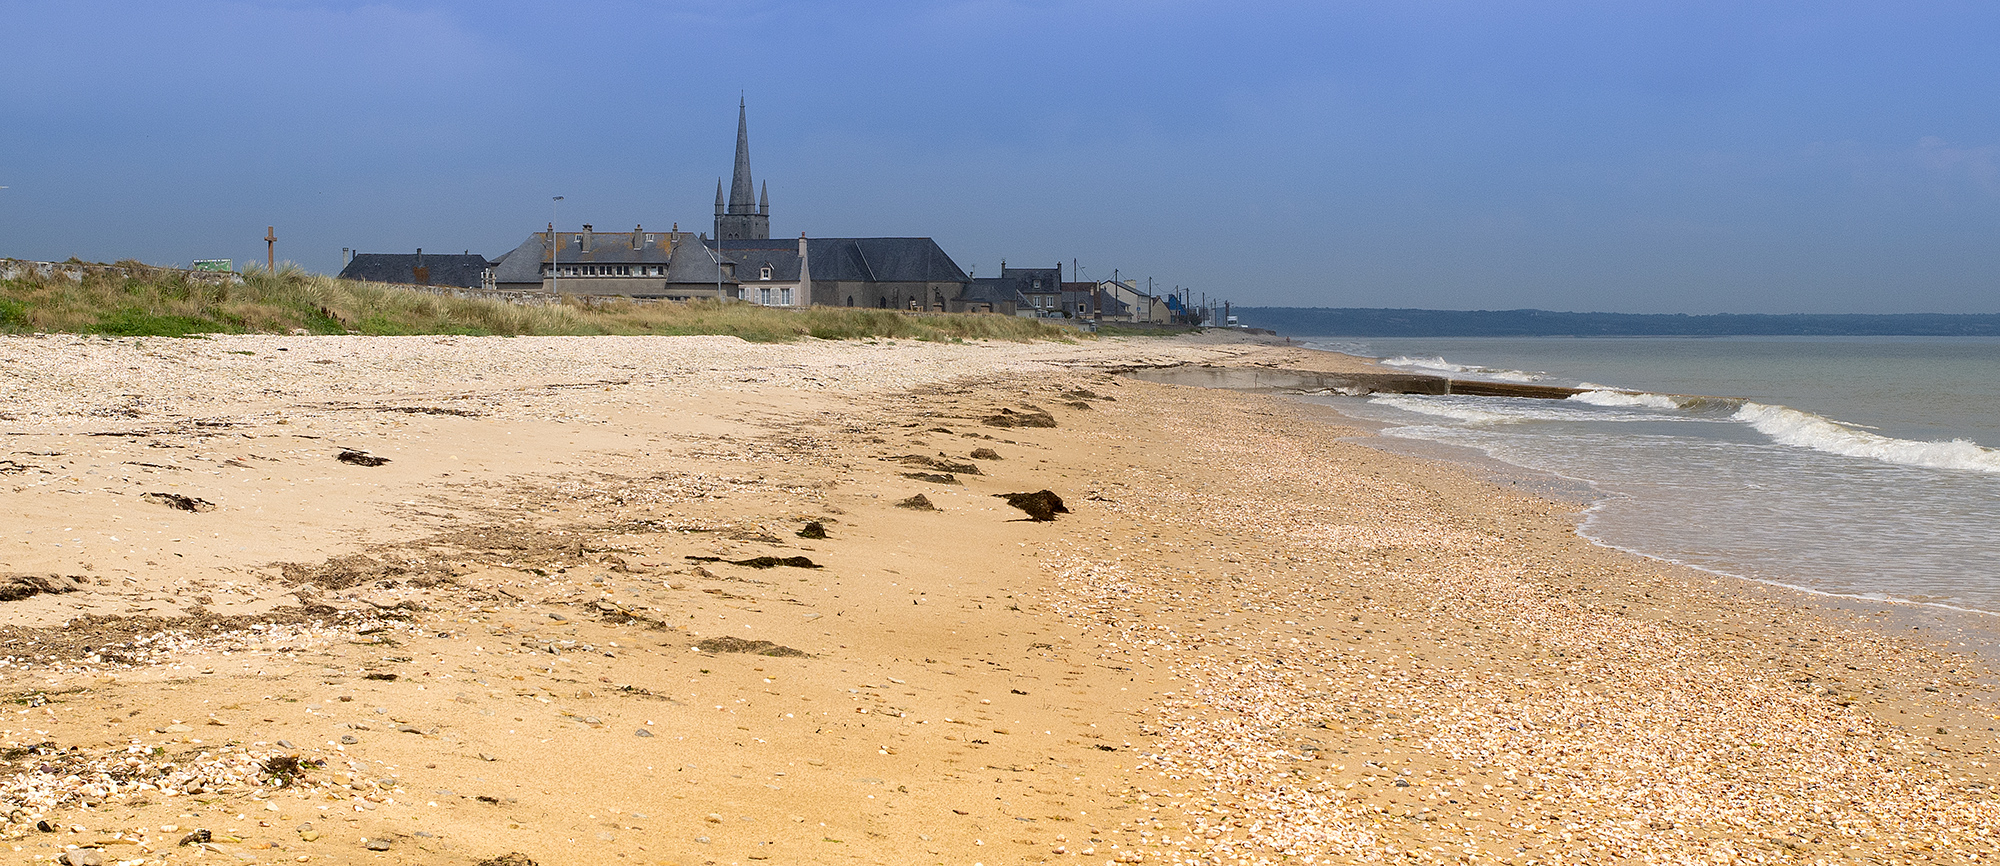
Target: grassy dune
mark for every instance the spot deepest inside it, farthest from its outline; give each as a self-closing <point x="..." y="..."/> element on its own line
<point x="154" y="302"/>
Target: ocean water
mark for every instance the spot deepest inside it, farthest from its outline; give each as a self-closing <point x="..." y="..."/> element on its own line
<point x="1865" y="467"/>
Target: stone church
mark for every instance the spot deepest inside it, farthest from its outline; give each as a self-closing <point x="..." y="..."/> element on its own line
<point x="742" y="262"/>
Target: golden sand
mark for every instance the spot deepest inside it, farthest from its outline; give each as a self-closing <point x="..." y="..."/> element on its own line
<point x="1251" y="639"/>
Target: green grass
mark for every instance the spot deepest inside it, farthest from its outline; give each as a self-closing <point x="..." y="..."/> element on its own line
<point x="1110" y="330"/>
<point x="154" y="302"/>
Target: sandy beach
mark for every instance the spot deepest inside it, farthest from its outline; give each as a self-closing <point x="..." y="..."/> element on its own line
<point x="443" y="600"/>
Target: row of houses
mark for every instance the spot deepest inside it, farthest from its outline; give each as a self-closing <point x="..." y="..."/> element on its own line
<point x="743" y="263"/>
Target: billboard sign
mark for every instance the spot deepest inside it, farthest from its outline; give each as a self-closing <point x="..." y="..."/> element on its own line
<point x="221" y="266"/>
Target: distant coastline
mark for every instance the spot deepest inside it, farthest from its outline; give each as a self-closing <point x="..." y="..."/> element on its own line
<point x="1365" y="322"/>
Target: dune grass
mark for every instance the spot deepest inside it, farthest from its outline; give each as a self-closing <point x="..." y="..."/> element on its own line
<point x="143" y="301"/>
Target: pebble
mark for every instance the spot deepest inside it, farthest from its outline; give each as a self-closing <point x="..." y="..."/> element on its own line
<point x="642" y="732"/>
<point x="377" y="845"/>
<point x="349" y="739"/>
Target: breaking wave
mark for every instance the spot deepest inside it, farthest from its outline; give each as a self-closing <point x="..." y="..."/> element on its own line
<point x="1805" y="430"/>
<point x="1626" y="398"/>
<point x="1439" y="365"/>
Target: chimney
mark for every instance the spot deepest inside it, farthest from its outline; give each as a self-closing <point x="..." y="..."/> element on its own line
<point x="421" y="274"/>
<point x="638" y="236"/>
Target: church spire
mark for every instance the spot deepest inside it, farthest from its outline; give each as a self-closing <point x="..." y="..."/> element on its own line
<point x="742" y="192"/>
<point x="764" y="199"/>
<point x="742" y="216"/>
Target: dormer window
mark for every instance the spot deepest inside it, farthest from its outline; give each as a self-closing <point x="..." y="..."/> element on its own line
<point x="764" y="273"/>
<point x="1038" y="284"/>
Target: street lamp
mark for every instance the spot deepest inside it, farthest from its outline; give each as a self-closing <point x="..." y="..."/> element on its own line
<point x="554" y="246"/>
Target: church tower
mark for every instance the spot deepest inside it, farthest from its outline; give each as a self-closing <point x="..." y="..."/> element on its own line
<point x="744" y="216"/>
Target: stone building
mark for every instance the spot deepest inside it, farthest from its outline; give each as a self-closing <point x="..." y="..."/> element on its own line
<point x="1017" y="291"/>
<point x="673" y="265"/>
<point x="884" y="273"/>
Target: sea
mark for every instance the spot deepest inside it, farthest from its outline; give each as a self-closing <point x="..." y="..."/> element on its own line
<point x="1860" y="467"/>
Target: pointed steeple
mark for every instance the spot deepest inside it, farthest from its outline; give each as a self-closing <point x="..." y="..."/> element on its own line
<point x="742" y="192"/>
<point x="764" y="199"/>
<point x="742" y="216"/>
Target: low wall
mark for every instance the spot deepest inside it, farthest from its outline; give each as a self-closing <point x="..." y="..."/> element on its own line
<point x="526" y="299"/>
<point x="14" y="269"/>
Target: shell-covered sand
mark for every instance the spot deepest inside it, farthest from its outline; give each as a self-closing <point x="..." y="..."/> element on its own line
<point x="525" y="636"/>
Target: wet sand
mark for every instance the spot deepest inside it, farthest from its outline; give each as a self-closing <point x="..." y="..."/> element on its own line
<point x="524" y="634"/>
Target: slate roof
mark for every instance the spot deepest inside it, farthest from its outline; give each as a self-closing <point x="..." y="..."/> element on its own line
<point x="994" y="290"/>
<point x="524" y="263"/>
<point x="1051" y="279"/>
<point x="878" y="260"/>
<point x="1106" y="304"/>
<point x="783" y="262"/>
<point x="693" y="263"/>
<point x="461" y="270"/>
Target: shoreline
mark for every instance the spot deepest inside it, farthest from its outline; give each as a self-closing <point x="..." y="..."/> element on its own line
<point x="1972" y="631"/>
<point x="1203" y="662"/>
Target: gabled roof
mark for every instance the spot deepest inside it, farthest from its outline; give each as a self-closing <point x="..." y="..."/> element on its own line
<point x="877" y="260"/>
<point x="1090" y="294"/>
<point x="461" y="270"/>
<point x="524" y="263"/>
<point x="784" y="264"/>
<point x="693" y="262"/>
<point x="1051" y="279"/>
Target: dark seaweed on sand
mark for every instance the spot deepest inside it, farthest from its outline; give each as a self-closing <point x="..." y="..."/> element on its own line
<point x="1041" y="505"/>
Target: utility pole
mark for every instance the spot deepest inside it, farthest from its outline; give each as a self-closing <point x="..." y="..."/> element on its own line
<point x="271" y="248"/>
<point x="555" y="246"/>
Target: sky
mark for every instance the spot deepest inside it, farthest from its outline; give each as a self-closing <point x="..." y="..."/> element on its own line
<point x="1629" y="156"/>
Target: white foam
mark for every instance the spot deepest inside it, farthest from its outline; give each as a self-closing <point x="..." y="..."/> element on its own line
<point x="1626" y="398"/>
<point x="1805" y="430"/>
<point x="1443" y="409"/>
<point x="1440" y="365"/>
<point x="1431" y="363"/>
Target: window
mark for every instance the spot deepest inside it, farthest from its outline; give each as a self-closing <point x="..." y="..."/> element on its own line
<point x="785" y="297"/>
<point x="764" y="296"/>
<point x="1082" y="307"/>
<point x="764" y="273"/>
<point x="1038" y="284"/>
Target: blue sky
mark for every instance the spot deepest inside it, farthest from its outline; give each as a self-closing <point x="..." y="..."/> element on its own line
<point x="1618" y="156"/>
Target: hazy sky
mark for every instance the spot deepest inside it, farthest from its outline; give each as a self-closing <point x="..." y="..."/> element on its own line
<point x="1627" y="156"/>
